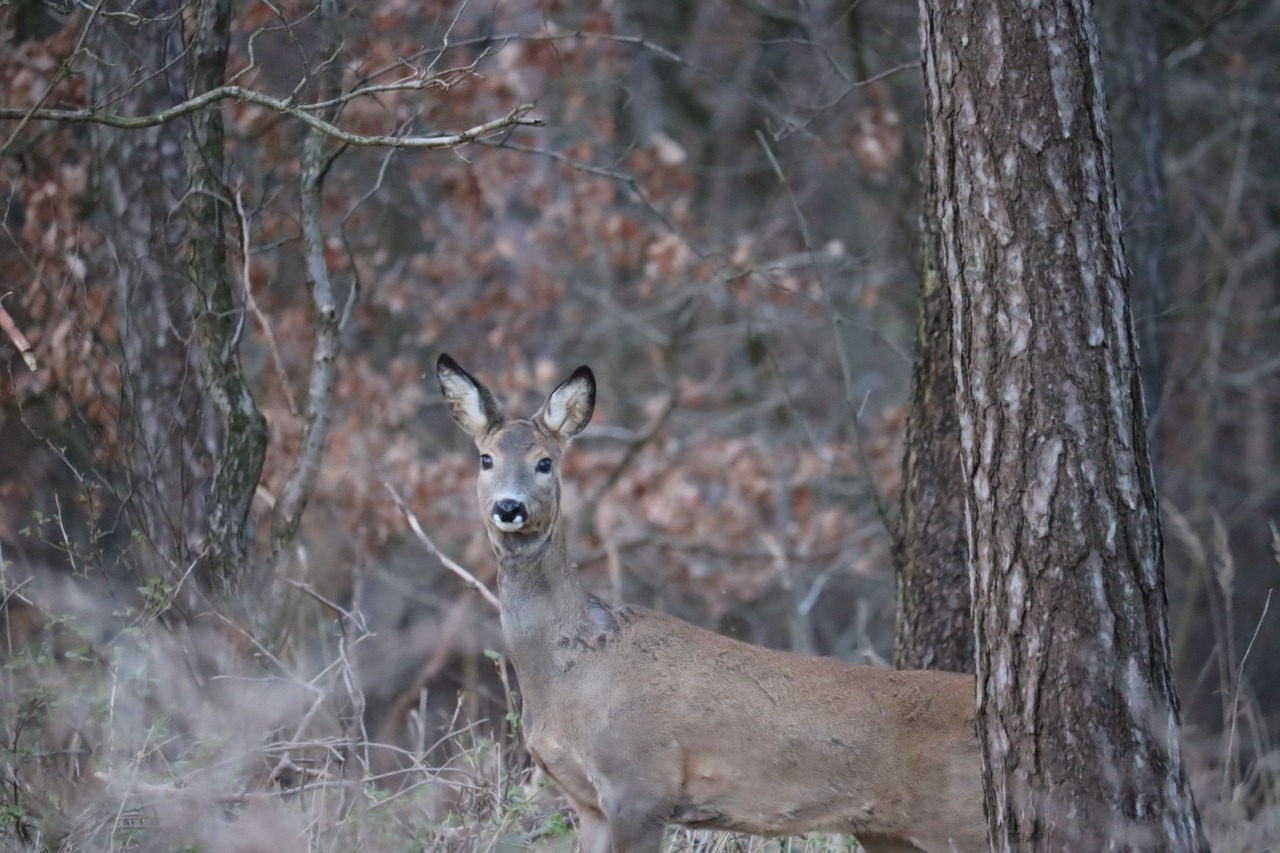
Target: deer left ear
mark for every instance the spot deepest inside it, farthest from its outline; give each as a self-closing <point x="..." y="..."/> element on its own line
<point x="568" y="410"/>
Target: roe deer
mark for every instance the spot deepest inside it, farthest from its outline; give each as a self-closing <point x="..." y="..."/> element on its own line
<point x="642" y="720"/>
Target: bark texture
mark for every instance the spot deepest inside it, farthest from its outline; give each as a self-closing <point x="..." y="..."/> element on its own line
<point x="139" y="177"/>
<point x="218" y="324"/>
<point x="1077" y="714"/>
<point x="197" y="439"/>
<point x="935" y="625"/>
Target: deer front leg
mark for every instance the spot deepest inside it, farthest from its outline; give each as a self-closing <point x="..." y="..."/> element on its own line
<point x="593" y="831"/>
<point x="623" y="830"/>
<point x="638" y="794"/>
<point x="633" y="831"/>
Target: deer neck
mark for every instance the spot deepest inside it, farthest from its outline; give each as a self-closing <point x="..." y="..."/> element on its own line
<point x="544" y="607"/>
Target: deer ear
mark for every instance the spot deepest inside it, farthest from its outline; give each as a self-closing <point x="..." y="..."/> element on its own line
<point x="471" y="404"/>
<point x="568" y="409"/>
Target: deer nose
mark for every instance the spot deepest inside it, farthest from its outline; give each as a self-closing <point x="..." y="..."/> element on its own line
<point x="510" y="514"/>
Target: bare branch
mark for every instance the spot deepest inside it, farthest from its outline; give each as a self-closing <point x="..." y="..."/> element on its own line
<point x="515" y="118"/>
<point x="252" y="305"/>
<point x="315" y="166"/>
<point x="789" y="123"/>
<point x="469" y="579"/>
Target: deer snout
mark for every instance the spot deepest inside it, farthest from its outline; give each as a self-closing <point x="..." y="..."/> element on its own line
<point x="509" y="515"/>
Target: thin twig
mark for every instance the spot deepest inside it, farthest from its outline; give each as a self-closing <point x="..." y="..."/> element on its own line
<point x="638" y="442"/>
<point x="63" y="71"/>
<point x="469" y="579"/>
<point x="846" y="371"/>
<point x="356" y="619"/>
<point x="19" y="340"/>
<point x="1235" y="698"/>
<point x="257" y="312"/>
<point x="630" y="182"/>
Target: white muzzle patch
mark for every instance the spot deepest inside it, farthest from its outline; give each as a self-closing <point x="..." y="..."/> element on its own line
<point x="511" y="526"/>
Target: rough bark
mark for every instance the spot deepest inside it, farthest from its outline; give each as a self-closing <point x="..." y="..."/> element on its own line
<point x="935" y="626"/>
<point x="136" y="68"/>
<point x="1077" y="714"/>
<point x="218" y="323"/>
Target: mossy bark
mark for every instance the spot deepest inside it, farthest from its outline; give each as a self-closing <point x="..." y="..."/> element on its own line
<point x="218" y="322"/>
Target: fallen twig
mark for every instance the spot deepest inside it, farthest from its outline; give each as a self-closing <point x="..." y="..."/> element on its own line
<point x="19" y="340"/>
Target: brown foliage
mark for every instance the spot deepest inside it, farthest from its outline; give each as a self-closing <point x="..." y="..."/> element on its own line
<point x="643" y="231"/>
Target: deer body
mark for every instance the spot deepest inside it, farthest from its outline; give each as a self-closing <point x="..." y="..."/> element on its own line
<point x="642" y="719"/>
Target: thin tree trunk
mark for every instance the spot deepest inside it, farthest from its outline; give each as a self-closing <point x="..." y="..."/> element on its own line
<point x="1077" y="714"/>
<point x="218" y="324"/>
<point x="316" y="161"/>
<point x="139" y="176"/>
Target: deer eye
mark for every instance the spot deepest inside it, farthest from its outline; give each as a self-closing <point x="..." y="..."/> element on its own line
<point x="486" y="461"/>
<point x="544" y="465"/>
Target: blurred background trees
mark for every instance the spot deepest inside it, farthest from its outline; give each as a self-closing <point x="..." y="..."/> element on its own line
<point x="720" y="214"/>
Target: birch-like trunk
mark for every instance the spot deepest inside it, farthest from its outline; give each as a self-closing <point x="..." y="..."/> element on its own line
<point x="196" y="439"/>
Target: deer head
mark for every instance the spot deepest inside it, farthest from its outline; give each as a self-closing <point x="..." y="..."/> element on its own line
<point x="519" y="482"/>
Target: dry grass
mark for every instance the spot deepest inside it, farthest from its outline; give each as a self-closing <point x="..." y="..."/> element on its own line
<point x="162" y="741"/>
<point x="133" y="732"/>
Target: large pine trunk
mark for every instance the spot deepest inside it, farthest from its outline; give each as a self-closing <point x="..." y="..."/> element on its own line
<point x="1077" y="714"/>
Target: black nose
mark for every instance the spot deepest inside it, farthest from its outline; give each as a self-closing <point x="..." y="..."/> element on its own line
<point x="509" y="511"/>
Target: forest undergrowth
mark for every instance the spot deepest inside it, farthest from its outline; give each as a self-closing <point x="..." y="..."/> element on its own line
<point x="144" y="730"/>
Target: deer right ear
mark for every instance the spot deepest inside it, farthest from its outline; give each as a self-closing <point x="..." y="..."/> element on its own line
<point x="472" y="405"/>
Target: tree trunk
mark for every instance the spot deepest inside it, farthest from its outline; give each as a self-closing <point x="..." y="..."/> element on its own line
<point x="935" y="626"/>
<point x="139" y="177"/>
<point x="1077" y="714"/>
<point x="162" y="193"/>
<point x="218" y="323"/>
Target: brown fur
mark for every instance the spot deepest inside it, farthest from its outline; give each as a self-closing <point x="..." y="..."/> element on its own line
<point x="644" y="720"/>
